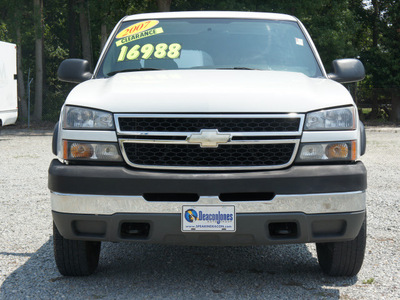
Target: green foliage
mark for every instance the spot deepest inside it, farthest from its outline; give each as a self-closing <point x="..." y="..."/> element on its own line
<point x="55" y="52"/>
<point x="4" y="33"/>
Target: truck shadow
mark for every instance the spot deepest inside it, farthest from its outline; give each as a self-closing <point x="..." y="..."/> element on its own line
<point x="129" y="270"/>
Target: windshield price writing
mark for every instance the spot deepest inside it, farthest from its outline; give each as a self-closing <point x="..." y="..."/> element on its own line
<point x="150" y="51"/>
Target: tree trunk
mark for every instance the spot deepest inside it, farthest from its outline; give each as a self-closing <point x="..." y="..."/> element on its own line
<point x="38" y="19"/>
<point x="103" y="36"/>
<point x="164" y="5"/>
<point x="395" y="114"/>
<point x="374" y="105"/>
<point x="23" y="107"/>
<point x="72" y="30"/>
<point x="375" y="41"/>
<point x="375" y="23"/>
<point x="85" y="32"/>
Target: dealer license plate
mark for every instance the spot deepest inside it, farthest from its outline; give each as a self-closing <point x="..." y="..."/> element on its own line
<point x="207" y="218"/>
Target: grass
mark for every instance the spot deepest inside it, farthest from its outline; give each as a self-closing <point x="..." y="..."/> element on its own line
<point x="366" y="110"/>
<point x="368" y="281"/>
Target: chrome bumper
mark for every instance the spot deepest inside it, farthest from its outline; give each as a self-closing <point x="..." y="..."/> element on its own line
<point x="305" y="203"/>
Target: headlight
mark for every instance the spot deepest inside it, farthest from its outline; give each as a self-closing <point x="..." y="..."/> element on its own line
<point x="332" y="119"/>
<point x="85" y="118"/>
<point x="75" y="150"/>
<point x="332" y="151"/>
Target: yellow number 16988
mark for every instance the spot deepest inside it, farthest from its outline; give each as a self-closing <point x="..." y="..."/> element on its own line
<point x="148" y="51"/>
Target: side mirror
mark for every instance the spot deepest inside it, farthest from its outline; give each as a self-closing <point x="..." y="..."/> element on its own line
<point x="347" y="70"/>
<point x="74" y="70"/>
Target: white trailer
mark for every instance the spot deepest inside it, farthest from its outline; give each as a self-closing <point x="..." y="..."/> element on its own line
<point x="8" y="84"/>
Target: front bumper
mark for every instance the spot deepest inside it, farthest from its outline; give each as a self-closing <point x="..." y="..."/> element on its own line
<point x="317" y="204"/>
<point x="121" y="181"/>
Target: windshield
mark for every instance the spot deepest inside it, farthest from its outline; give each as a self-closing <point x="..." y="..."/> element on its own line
<point x="169" y="44"/>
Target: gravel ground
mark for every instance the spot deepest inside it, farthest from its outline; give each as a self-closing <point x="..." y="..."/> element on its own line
<point x="129" y="270"/>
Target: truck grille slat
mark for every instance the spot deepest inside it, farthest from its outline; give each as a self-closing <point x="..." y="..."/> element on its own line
<point x="222" y="124"/>
<point x="223" y="156"/>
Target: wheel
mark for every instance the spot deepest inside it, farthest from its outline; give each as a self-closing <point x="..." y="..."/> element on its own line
<point x="75" y="258"/>
<point x="343" y="258"/>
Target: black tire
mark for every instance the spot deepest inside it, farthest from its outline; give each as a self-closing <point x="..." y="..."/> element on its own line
<point x="75" y="258"/>
<point x="343" y="258"/>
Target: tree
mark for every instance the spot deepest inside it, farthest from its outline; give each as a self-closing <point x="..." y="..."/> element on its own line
<point x="379" y="52"/>
<point x="85" y="31"/>
<point x="11" y="21"/>
<point x="23" y="106"/>
<point x="73" y="34"/>
<point x="38" y="24"/>
<point x="391" y="43"/>
<point x="164" y="5"/>
<point x="79" y="28"/>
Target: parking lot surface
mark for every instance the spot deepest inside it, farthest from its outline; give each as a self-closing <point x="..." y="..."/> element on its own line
<point x="129" y="270"/>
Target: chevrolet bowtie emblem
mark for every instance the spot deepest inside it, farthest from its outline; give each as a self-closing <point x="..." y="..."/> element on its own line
<point x="209" y="138"/>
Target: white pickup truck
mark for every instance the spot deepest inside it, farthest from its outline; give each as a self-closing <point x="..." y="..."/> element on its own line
<point x="209" y="128"/>
<point x="8" y="84"/>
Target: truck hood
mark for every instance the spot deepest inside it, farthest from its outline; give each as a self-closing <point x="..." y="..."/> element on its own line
<point x="209" y="91"/>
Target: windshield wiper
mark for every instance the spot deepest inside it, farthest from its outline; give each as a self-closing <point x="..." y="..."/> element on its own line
<point x="237" y="68"/>
<point x="132" y="70"/>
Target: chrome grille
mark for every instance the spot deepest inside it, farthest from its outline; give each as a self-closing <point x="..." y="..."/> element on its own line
<point x="209" y="142"/>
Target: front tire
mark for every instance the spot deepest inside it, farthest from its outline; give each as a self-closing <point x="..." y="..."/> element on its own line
<point x="75" y="258"/>
<point x="343" y="258"/>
